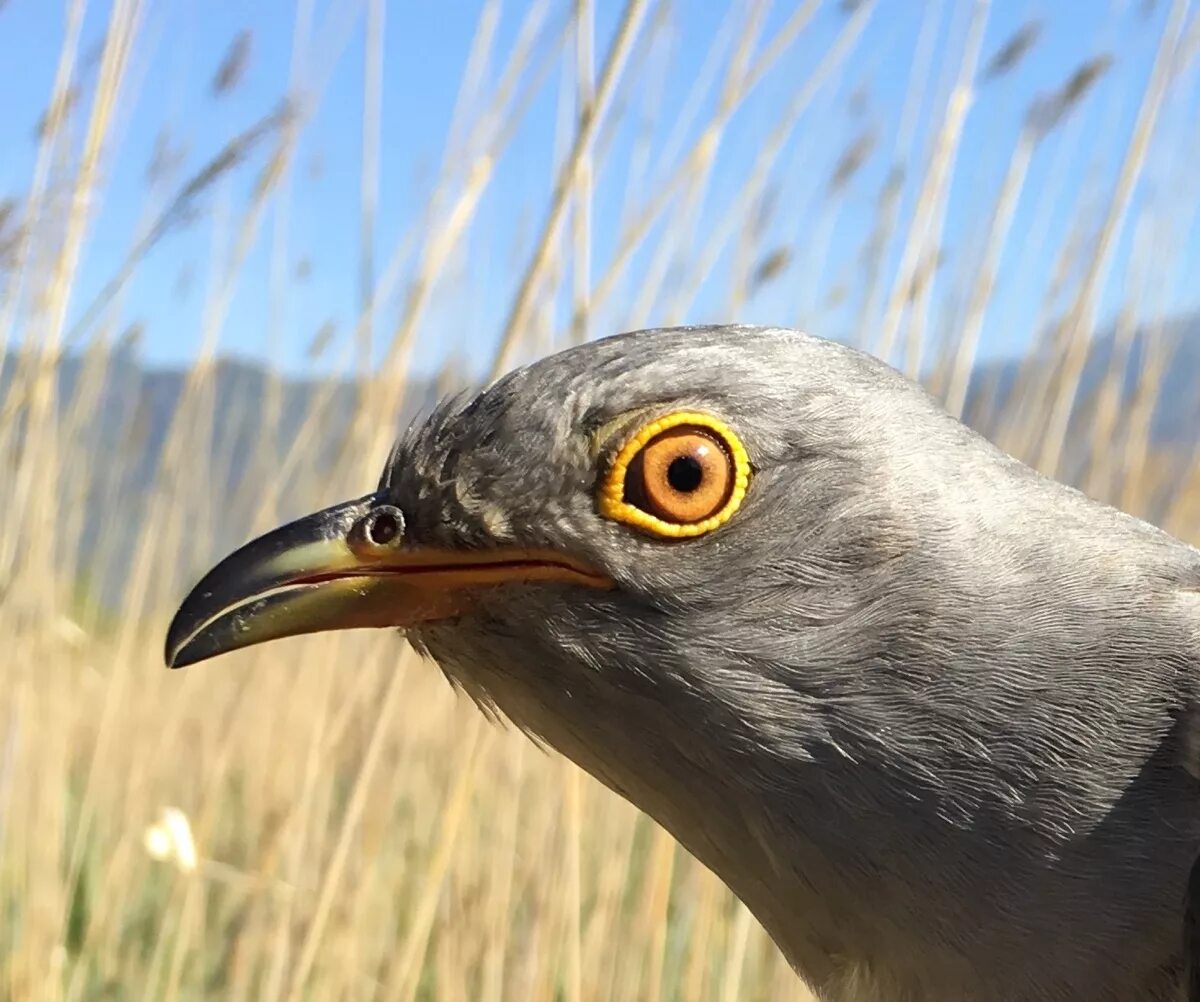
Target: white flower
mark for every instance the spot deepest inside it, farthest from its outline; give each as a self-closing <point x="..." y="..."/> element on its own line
<point x="157" y="842"/>
<point x="170" y="840"/>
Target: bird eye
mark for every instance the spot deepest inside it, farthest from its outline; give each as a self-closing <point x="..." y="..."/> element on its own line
<point x="680" y="476"/>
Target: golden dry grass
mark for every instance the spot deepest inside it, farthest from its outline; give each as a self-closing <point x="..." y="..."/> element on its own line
<point x="355" y="830"/>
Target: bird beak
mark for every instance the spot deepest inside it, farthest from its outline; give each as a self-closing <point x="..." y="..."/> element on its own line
<point x="346" y="567"/>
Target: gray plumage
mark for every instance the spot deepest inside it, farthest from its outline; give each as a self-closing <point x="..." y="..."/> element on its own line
<point x="928" y="713"/>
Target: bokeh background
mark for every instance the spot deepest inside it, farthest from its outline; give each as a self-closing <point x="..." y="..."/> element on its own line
<point x="242" y="244"/>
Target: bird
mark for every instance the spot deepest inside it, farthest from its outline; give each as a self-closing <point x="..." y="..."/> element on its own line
<point x="929" y="713"/>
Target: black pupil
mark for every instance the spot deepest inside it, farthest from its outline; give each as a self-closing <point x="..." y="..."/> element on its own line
<point x="383" y="528"/>
<point x="685" y="474"/>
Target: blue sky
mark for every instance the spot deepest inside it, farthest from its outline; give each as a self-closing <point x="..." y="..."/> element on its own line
<point x="180" y="45"/>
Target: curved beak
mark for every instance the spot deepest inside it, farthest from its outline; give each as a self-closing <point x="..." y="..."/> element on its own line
<point x="325" y="572"/>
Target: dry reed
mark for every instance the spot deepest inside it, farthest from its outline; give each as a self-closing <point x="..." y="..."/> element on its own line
<point x="326" y="818"/>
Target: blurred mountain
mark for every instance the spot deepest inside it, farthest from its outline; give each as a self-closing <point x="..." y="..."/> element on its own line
<point x="129" y="410"/>
<point x="120" y="413"/>
<point x="1174" y="346"/>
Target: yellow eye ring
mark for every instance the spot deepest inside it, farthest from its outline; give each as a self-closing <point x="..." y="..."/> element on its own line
<point x="715" y="470"/>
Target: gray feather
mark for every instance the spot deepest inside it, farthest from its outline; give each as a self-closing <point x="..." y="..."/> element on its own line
<point x="930" y="714"/>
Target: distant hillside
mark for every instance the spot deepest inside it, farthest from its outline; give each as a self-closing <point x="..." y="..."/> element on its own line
<point x="135" y="405"/>
<point x="127" y="426"/>
<point x="1176" y="420"/>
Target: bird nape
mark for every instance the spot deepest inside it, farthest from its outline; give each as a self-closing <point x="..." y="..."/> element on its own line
<point x="931" y="715"/>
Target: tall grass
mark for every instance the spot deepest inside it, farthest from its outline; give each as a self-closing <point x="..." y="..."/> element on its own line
<point x="338" y="824"/>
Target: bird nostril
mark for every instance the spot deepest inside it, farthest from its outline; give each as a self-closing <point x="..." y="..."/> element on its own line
<point x="384" y="526"/>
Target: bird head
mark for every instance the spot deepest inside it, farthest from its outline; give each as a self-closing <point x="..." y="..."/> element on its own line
<point x="671" y="554"/>
<point x="845" y="650"/>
